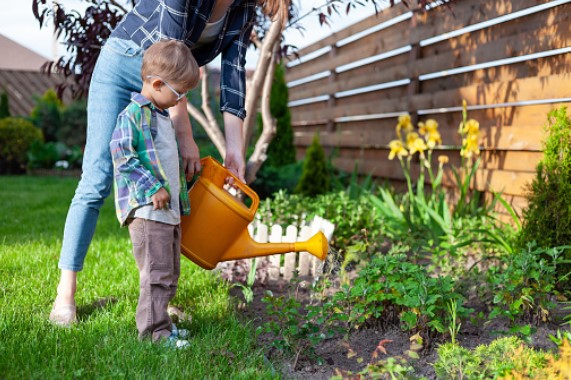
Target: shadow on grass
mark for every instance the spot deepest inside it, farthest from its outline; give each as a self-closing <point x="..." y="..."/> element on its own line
<point x="86" y="312"/>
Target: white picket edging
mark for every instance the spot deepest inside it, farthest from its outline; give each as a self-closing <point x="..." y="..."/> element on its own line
<point x="305" y="263"/>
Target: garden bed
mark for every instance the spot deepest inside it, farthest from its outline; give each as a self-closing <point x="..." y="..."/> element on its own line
<point x="344" y="353"/>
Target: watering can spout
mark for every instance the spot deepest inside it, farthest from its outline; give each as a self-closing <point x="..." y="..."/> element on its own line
<point x="245" y="247"/>
<point x="217" y="228"/>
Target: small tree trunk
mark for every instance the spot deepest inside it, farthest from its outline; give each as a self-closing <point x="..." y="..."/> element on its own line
<point x="254" y="90"/>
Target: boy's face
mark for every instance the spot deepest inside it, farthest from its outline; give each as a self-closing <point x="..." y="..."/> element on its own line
<point x="163" y="94"/>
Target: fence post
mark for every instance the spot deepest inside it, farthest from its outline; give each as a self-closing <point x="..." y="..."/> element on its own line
<point x="289" y="267"/>
<point x="275" y="237"/>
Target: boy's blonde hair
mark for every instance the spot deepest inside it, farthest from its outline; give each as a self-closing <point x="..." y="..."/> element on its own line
<point x="172" y="61"/>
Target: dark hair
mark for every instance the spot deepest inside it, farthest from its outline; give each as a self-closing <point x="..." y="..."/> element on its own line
<point x="172" y="61"/>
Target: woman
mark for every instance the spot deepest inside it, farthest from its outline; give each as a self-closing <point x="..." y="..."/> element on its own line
<point x="209" y="28"/>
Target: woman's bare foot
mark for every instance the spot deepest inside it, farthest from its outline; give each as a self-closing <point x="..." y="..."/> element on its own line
<point x="64" y="312"/>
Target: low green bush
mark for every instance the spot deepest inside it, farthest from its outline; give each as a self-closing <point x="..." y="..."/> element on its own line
<point x="499" y="359"/>
<point x="522" y="286"/>
<point x="16" y="136"/>
<point x="49" y="155"/>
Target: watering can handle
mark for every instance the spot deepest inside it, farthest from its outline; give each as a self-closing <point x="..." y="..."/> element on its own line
<point x="209" y="161"/>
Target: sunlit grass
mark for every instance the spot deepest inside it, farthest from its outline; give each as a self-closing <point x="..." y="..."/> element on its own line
<point x="104" y="344"/>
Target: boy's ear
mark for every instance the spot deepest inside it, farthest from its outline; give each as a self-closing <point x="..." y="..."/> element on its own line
<point x="156" y="83"/>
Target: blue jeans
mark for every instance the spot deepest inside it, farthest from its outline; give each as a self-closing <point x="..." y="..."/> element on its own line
<point x="117" y="73"/>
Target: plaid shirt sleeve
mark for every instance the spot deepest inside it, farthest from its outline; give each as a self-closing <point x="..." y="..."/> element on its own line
<point x="127" y="165"/>
<point x="233" y="73"/>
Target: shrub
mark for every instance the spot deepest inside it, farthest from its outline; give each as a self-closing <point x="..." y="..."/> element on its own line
<point x="4" y="106"/>
<point x="46" y="115"/>
<point x="73" y="128"/>
<point x="315" y="175"/>
<point x="281" y="150"/>
<point x="547" y="219"/>
<point x="16" y="137"/>
<point x="271" y="179"/>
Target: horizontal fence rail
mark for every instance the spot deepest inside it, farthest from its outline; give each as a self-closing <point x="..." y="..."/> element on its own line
<point x="509" y="59"/>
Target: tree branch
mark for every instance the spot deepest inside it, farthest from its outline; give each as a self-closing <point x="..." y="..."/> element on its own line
<point x="259" y="155"/>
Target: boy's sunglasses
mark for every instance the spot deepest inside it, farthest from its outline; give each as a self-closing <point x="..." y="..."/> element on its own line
<point x="179" y="96"/>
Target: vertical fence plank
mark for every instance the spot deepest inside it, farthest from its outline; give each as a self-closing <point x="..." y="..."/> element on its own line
<point x="275" y="237"/>
<point x="290" y="257"/>
<point x="261" y="236"/>
<point x="305" y="260"/>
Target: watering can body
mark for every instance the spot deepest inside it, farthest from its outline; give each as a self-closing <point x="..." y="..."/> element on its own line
<point x="217" y="228"/>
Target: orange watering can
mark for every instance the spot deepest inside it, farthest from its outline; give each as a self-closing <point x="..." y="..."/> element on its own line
<point x="217" y="228"/>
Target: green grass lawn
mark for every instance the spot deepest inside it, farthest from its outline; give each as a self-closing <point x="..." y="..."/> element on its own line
<point x="104" y="344"/>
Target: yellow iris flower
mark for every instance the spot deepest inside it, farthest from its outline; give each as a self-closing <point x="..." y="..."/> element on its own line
<point x="404" y="124"/>
<point x="470" y="146"/>
<point x="471" y="127"/>
<point x="428" y="127"/>
<point x="397" y="149"/>
<point x="432" y="139"/>
<point x="415" y="144"/>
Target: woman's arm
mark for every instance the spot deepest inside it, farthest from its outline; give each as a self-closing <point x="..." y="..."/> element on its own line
<point x="234" y="159"/>
<point x="183" y="130"/>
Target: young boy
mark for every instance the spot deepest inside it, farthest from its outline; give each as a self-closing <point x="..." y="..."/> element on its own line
<point x="150" y="187"/>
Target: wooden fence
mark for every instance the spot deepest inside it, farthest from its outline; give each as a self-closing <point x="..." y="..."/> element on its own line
<point x="509" y="59"/>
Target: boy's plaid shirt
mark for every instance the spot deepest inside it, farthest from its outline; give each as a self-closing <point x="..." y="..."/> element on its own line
<point x="137" y="170"/>
<point x="184" y="20"/>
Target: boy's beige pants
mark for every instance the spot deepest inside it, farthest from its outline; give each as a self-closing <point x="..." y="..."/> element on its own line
<point x="156" y="247"/>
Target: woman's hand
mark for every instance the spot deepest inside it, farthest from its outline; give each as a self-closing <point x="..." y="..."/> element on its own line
<point x="234" y="160"/>
<point x="188" y="148"/>
<point x="160" y="199"/>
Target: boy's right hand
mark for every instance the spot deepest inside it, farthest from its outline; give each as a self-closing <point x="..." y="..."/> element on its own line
<point x="160" y="199"/>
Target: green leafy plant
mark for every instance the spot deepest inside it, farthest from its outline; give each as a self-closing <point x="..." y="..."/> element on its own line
<point x="315" y="178"/>
<point x="499" y="359"/>
<point x="247" y="290"/>
<point x="390" y="289"/>
<point x="350" y="216"/>
<point x="292" y="331"/>
<point x="16" y="136"/>
<point x="523" y="285"/>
